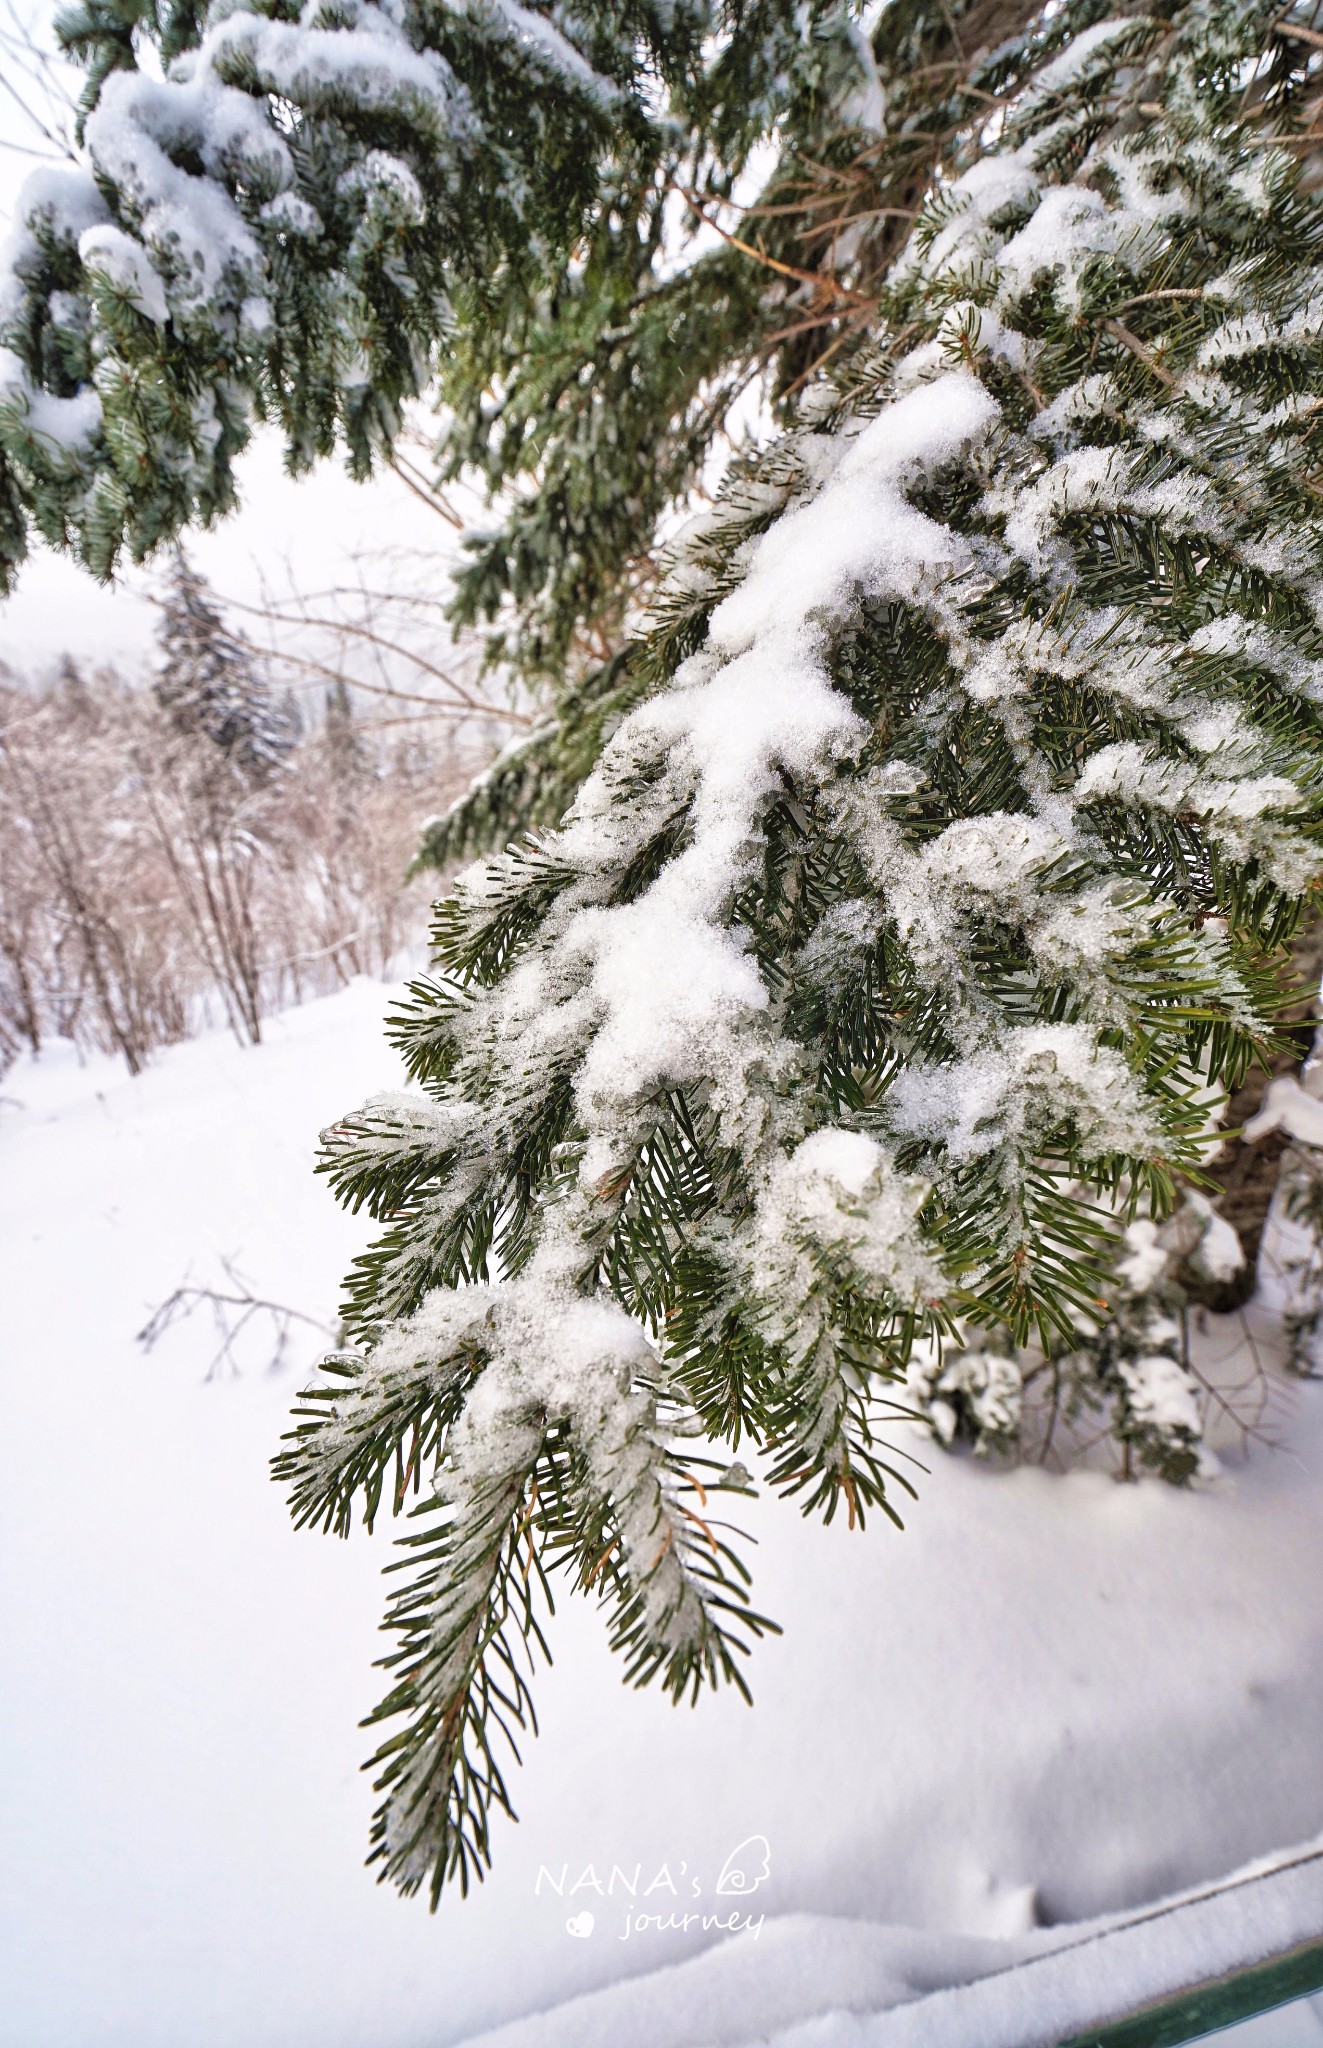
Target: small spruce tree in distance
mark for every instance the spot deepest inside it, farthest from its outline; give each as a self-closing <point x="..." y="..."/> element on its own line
<point x="928" y="870"/>
<point x="208" y="683"/>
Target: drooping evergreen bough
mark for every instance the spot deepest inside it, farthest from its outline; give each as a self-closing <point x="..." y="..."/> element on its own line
<point x="894" y="951"/>
<point x="894" y="954"/>
<point x="317" y="214"/>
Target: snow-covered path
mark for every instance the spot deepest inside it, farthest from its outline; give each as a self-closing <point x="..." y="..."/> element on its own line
<point x="1048" y="1699"/>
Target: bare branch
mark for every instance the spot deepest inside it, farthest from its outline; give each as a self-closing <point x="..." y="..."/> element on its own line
<point x="410" y="478"/>
<point x="232" y="1313"/>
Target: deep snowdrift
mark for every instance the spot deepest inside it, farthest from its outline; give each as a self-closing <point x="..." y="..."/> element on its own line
<point x="1049" y="1699"/>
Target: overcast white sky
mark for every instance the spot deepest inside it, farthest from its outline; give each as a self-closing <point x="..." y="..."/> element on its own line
<point x="316" y="524"/>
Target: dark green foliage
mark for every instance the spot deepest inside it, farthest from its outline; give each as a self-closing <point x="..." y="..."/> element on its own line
<point x="337" y="224"/>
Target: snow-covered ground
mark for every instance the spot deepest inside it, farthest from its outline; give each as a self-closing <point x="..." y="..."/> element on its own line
<point x="1050" y="1699"/>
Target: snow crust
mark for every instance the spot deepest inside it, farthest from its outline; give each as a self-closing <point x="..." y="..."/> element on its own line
<point x="895" y="1990"/>
<point x="62" y="425"/>
<point x="108" y="252"/>
<point x="1063" y="70"/>
<point x="536" y="32"/>
<point x="837" y="1194"/>
<point x="1288" y="1107"/>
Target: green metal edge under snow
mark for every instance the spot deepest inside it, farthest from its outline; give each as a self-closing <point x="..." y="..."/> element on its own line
<point x="1191" y="2015"/>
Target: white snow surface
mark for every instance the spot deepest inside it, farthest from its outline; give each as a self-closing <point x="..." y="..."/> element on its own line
<point x="1049" y="1699"/>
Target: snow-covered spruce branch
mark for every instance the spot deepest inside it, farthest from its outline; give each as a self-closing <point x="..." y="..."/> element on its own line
<point x="468" y="1621"/>
<point x="348" y="1436"/>
<point x="940" y="846"/>
<point x="517" y="1408"/>
<point x="891" y="959"/>
<point x="302" y="220"/>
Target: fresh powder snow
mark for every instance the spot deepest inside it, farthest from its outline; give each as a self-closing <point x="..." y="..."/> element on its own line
<point x="1049" y="1699"/>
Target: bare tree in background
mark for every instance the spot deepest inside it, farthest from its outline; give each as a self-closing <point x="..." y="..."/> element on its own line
<point x="144" y="880"/>
<point x="84" y="899"/>
<point x="382" y="631"/>
<point x="37" y="88"/>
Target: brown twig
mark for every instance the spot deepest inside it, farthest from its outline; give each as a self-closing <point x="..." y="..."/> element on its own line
<point x="411" y="480"/>
<point x="818" y="279"/>
<point x="187" y="1298"/>
<point x="1137" y="349"/>
<point x="1291" y="31"/>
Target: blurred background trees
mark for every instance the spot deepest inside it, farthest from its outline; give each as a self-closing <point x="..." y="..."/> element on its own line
<point x="191" y="846"/>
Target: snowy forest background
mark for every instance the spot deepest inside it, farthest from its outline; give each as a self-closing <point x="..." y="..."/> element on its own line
<point x="193" y="844"/>
<point x="151" y="885"/>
